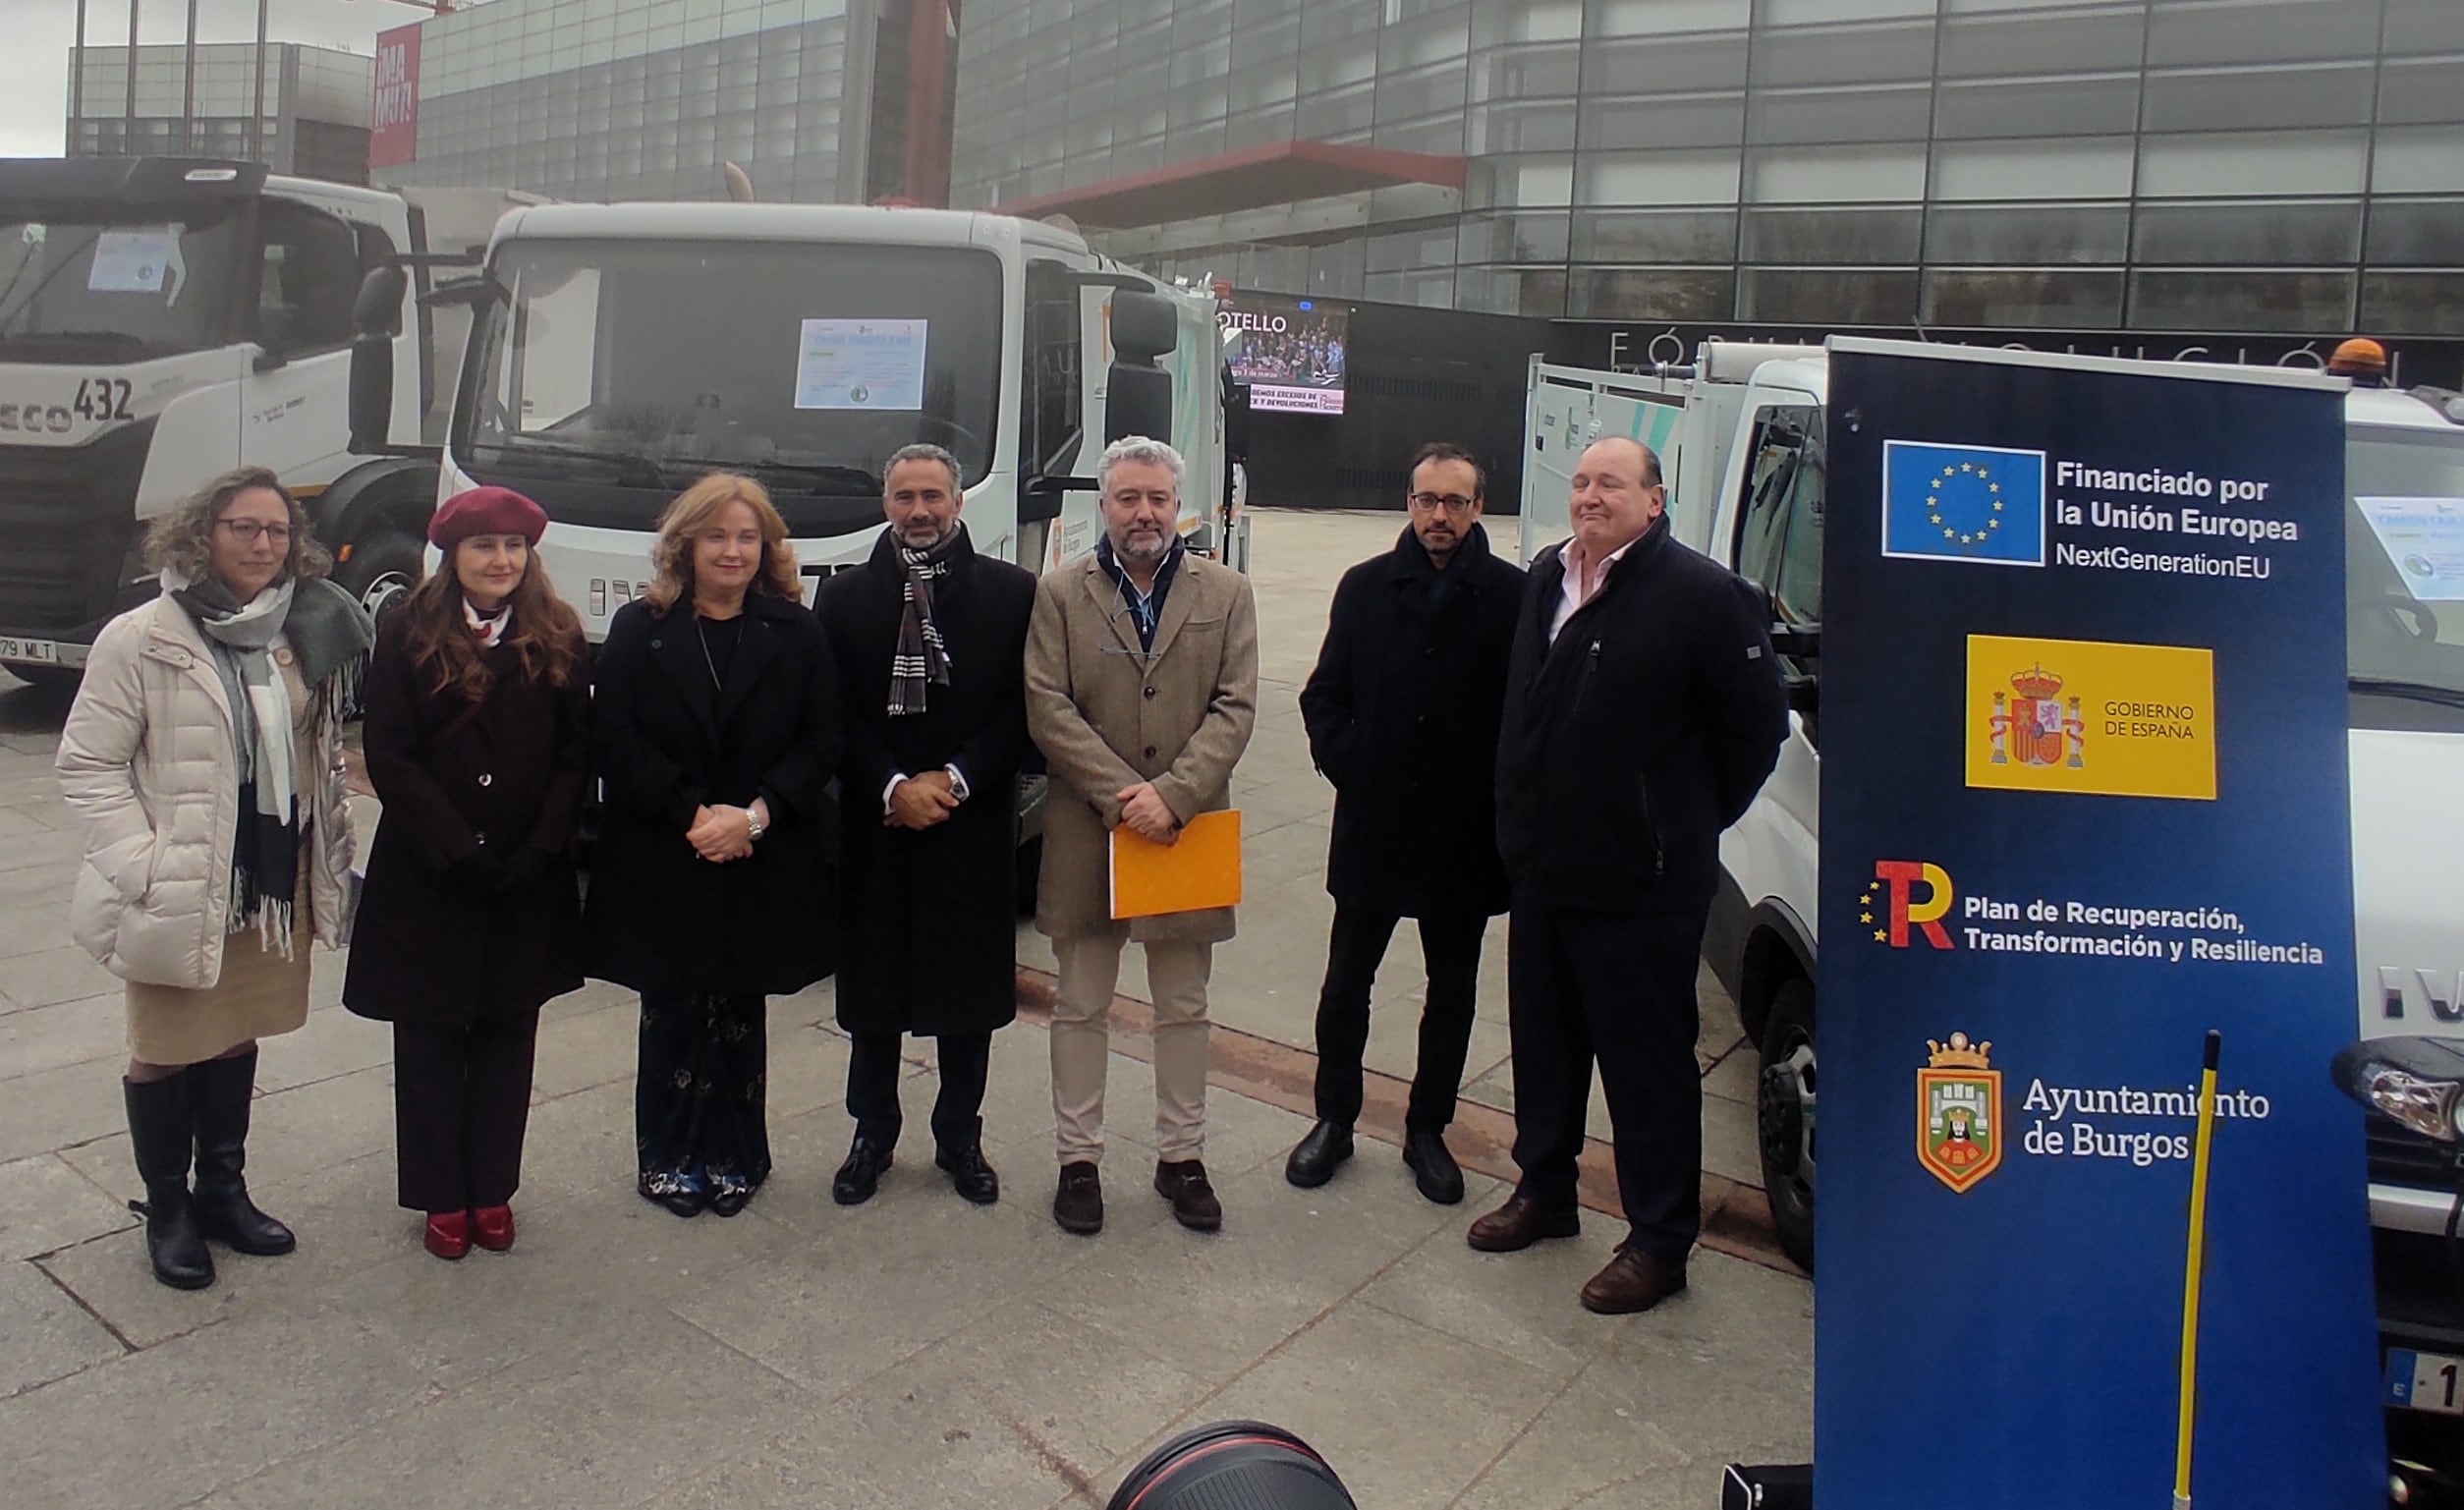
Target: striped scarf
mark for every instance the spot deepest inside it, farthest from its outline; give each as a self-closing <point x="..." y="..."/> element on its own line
<point x="921" y="659"/>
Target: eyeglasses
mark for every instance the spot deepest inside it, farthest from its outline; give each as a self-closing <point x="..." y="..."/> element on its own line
<point x="245" y="530"/>
<point x="1452" y="503"/>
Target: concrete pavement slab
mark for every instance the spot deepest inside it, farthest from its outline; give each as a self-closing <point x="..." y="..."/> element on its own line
<point x="1521" y="1303"/>
<point x="44" y="977"/>
<point x="1360" y="1379"/>
<point x="347" y="1223"/>
<point x="46" y="1205"/>
<point x="1588" y="1442"/>
<point x="592" y="1266"/>
<point x="174" y="1424"/>
<point x="61" y="1108"/>
<point x="38" y="1039"/>
<point x="44" y="1333"/>
<point x="1218" y="1301"/>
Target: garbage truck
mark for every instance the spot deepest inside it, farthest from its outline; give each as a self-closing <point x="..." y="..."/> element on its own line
<point x="164" y="319"/>
<point x="618" y="352"/>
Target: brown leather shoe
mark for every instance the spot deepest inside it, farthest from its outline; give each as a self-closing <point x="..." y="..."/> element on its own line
<point x="1633" y="1281"/>
<point x="1521" y="1222"/>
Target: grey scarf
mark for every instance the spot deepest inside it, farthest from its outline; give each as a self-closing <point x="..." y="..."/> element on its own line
<point x="329" y="637"/>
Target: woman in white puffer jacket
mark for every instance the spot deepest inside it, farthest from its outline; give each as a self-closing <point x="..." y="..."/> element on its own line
<point x="203" y="755"/>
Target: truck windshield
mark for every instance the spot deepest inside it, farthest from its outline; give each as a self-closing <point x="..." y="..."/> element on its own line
<point x="646" y="363"/>
<point x="98" y="289"/>
<point x="2404" y="576"/>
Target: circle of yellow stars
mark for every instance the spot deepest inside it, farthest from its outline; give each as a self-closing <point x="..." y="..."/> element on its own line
<point x="1865" y="915"/>
<point x="1934" y="507"/>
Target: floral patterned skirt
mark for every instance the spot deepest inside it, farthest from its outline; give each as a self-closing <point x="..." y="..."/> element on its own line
<point x="700" y="1130"/>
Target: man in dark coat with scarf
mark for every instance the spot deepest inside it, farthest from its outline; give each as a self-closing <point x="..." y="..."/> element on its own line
<point x="930" y="638"/>
<point x="1402" y="712"/>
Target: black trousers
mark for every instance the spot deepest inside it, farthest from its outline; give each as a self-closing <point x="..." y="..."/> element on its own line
<point x="1452" y="949"/>
<point x="966" y="1060"/>
<point x="1617" y="987"/>
<point x="462" y="1103"/>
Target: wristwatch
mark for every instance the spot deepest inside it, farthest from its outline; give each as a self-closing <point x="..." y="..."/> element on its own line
<point x="754" y="828"/>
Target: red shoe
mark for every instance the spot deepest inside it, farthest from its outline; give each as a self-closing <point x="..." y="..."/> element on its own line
<point x="491" y="1227"/>
<point x="448" y="1234"/>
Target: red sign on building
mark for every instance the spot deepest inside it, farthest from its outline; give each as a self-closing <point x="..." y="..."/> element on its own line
<point x="393" y="113"/>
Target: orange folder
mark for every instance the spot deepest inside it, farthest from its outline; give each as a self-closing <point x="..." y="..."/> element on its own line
<point x="1201" y="868"/>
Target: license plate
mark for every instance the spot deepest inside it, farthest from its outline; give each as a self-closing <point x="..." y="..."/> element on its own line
<point x="42" y="651"/>
<point x="2425" y="1381"/>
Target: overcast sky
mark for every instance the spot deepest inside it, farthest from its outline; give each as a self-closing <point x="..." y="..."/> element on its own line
<point x="35" y="64"/>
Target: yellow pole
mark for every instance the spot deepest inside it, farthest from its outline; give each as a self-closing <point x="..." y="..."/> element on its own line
<point x="2192" y="1269"/>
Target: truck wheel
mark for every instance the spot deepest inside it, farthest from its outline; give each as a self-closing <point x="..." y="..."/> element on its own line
<point x="1784" y="1117"/>
<point x="383" y="569"/>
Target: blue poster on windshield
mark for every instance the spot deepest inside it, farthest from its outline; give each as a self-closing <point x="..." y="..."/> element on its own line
<point x="2084" y="798"/>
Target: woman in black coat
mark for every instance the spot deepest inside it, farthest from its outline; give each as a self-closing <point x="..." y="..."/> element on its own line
<point x="714" y="727"/>
<point x="476" y="700"/>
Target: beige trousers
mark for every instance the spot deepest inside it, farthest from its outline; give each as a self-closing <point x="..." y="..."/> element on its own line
<point x="1091" y="966"/>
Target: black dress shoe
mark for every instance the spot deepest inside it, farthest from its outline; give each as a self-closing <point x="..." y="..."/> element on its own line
<point x="867" y="1158"/>
<point x="1313" y="1163"/>
<point x="1078" y="1203"/>
<point x="972" y="1178"/>
<point x="1432" y="1166"/>
<point x="1193" y="1202"/>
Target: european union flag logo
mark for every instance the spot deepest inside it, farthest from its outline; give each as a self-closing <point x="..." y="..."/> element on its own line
<point x="1963" y="503"/>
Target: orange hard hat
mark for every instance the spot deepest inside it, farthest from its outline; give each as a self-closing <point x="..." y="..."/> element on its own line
<point x="2359" y="355"/>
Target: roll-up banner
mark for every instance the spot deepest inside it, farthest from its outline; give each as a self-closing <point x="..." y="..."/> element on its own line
<point x="2084" y="798"/>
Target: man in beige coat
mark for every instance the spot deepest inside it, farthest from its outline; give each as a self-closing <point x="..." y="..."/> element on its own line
<point x="1141" y="690"/>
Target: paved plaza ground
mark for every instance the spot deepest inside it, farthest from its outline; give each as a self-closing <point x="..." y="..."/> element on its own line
<point x="913" y="1352"/>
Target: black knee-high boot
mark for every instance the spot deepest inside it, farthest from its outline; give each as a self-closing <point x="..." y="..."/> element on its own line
<point x="161" y="1132"/>
<point x="219" y="1102"/>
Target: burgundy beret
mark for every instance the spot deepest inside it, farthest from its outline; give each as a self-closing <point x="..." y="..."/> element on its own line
<point x="485" y="510"/>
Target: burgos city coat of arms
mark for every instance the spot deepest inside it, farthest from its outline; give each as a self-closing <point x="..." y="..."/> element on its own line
<point x="1959" y="1113"/>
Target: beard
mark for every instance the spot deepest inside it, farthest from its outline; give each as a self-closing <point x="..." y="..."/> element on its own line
<point x="923" y="536"/>
<point x="1142" y="547"/>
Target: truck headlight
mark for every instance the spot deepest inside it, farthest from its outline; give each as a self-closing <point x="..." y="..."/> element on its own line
<point x="2416" y="1081"/>
<point x="2427" y="1107"/>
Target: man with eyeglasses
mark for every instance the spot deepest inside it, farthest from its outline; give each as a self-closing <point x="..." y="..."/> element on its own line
<point x="1141" y="690"/>
<point x="1402" y="712"/>
<point x="1643" y="713"/>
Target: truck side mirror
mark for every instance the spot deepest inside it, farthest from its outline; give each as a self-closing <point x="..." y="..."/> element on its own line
<point x="376" y="319"/>
<point x="1138" y="393"/>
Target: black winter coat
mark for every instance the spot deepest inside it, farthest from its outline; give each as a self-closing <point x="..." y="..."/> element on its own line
<point x="1644" y="731"/>
<point x="659" y="917"/>
<point x="504" y="775"/>
<point x="930" y="916"/>
<point x="1402" y="712"/>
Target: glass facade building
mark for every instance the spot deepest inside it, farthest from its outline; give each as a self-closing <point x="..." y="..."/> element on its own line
<point x="316" y="110"/>
<point x="2273" y="166"/>
<point x="644" y="99"/>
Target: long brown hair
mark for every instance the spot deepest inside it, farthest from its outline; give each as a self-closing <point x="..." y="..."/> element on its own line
<point x="545" y="635"/>
<point x="696" y="508"/>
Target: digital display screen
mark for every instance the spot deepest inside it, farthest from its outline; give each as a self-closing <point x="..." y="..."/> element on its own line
<point x="1290" y="352"/>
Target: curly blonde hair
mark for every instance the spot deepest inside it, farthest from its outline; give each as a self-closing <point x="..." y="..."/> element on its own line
<point x="183" y="540"/>
<point x="695" y="510"/>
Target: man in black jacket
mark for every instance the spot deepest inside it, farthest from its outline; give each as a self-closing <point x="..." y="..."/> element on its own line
<point x="930" y="640"/>
<point x="1643" y="713"/>
<point x="1402" y="712"/>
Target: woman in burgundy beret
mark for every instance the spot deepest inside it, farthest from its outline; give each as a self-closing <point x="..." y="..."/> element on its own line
<point x="476" y="738"/>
